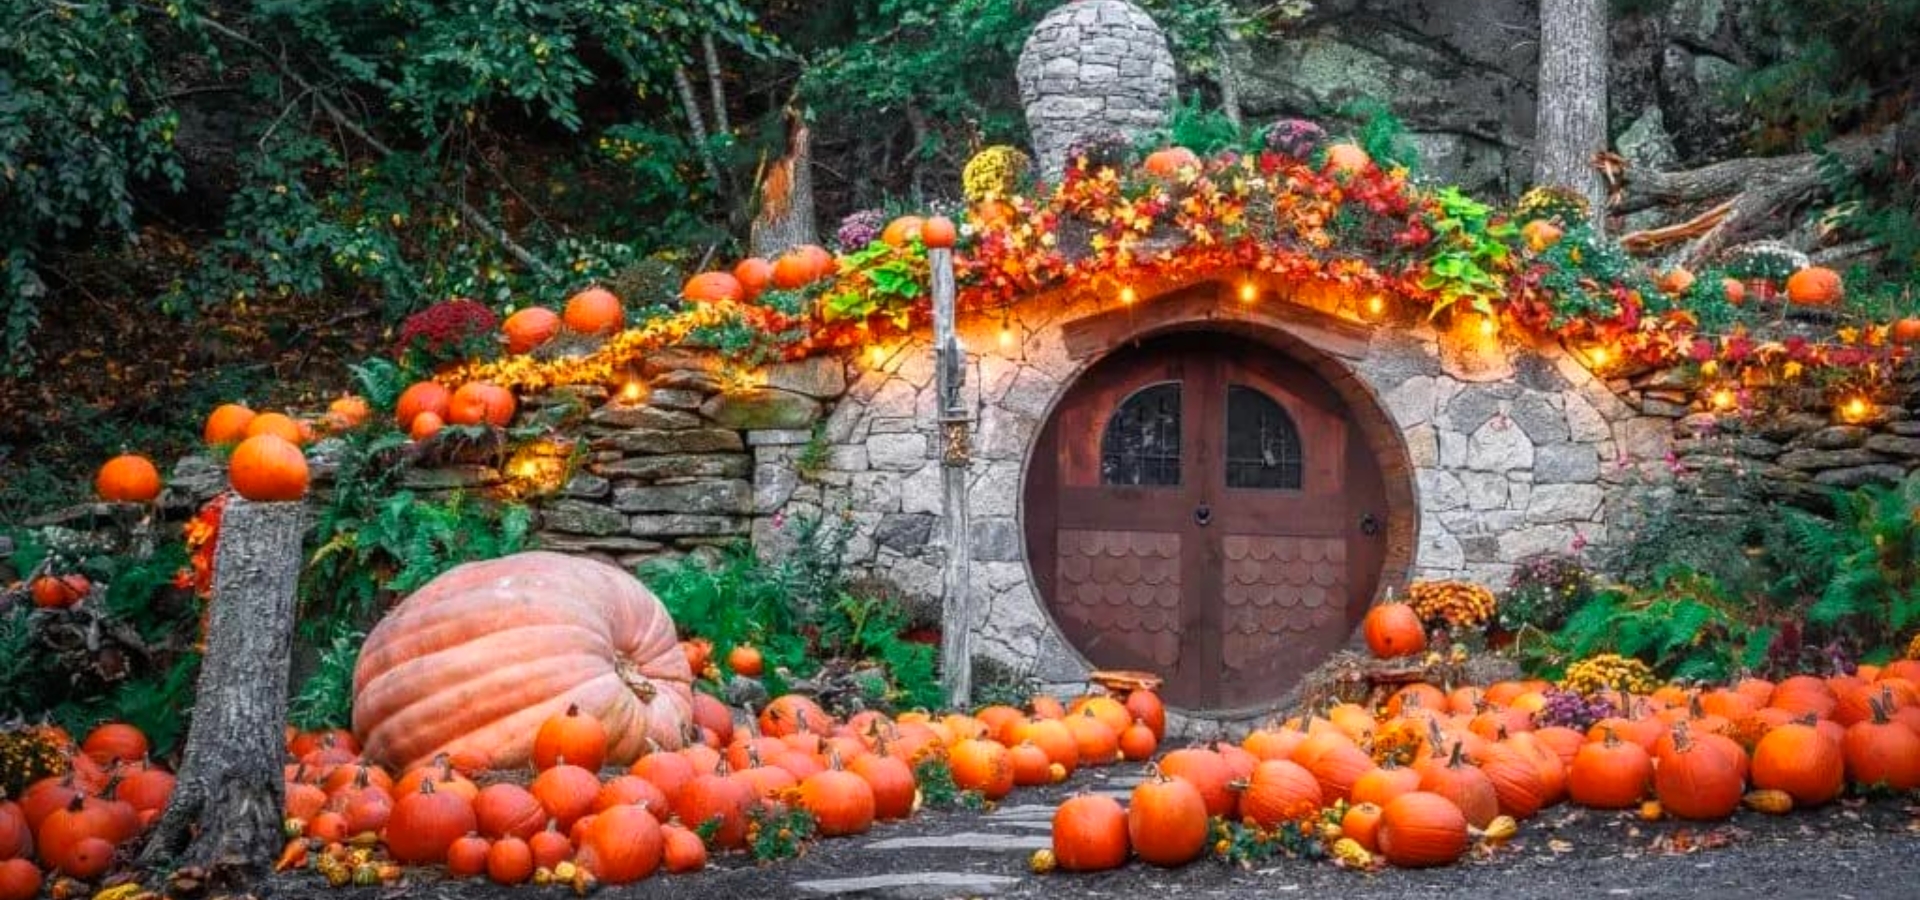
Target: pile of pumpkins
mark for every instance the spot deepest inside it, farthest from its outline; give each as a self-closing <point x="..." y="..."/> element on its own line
<point x="354" y="822"/>
<point x="73" y="824"/>
<point x="1480" y="764"/>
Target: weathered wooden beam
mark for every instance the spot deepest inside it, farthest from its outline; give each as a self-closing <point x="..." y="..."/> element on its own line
<point x="1211" y="302"/>
<point x="956" y="601"/>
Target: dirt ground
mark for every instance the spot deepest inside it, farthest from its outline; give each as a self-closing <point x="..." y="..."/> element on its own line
<point x="1847" y="850"/>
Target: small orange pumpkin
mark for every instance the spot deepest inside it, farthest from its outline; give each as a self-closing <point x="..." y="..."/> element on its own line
<point x="1736" y="290"/>
<point x="1167" y="821"/>
<point x="425" y="426"/>
<point x="279" y="424"/>
<point x="1676" y="281"/>
<point x="902" y="231"/>
<point x="713" y="287"/>
<point x="982" y="765"/>
<point x="1168" y="162"/>
<point x="1347" y="159"/>
<point x="1906" y="330"/>
<point x="128" y="478"/>
<point x="509" y="861"/>
<point x="938" y="232"/>
<point x="1803" y="762"/>
<point x="1420" y="829"/>
<point x="479" y="402"/>
<point x="579" y="739"/>
<point x="746" y="661"/>
<point x="529" y="328"/>
<point x="1090" y="834"/>
<point x="1815" y="286"/>
<point x="59" y="591"/>
<point x="1540" y="234"/>
<point x="594" y="311"/>
<point x="347" y="412"/>
<point x="227" y="424"/>
<point x="422" y="397"/>
<point x="268" y="469"/>
<point x="754" y="274"/>
<point x="1393" y="630"/>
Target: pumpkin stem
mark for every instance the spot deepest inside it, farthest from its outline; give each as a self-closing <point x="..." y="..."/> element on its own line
<point x="426" y="785"/>
<point x="1682" y="738"/>
<point x="573" y="709"/>
<point x="1695" y="709"/>
<point x="1879" y="709"/>
<point x="1459" y="754"/>
<point x="1608" y="736"/>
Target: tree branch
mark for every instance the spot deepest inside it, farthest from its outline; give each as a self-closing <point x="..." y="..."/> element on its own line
<point x="1644" y="189"/>
<point x="697" y="123"/>
<point x="714" y="85"/>
<point x="474" y="218"/>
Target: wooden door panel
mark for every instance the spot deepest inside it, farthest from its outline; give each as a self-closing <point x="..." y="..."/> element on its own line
<point x="1119" y="593"/>
<point x="1284" y="598"/>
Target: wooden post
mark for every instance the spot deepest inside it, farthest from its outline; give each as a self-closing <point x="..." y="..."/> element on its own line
<point x="226" y="809"/>
<point x="956" y="606"/>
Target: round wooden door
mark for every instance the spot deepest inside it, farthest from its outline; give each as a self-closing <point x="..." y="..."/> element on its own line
<point x="1200" y="507"/>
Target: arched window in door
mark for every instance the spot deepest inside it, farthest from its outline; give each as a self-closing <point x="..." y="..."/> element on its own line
<point x="1263" y="446"/>
<point x="1141" y="444"/>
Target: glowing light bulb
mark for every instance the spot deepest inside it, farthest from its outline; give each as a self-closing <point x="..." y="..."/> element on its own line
<point x="1126" y="296"/>
<point x="1599" y="355"/>
<point x="1006" y="338"/>
<point x="1857" y="408"/>
<point x="1248" y="293"/>
<point x="1376" y="305"/>
<point x="1488" y="327"/>
<point x="876" y="355"/>
<point x="1723" y="398"/>
<point x="630" y="392"/>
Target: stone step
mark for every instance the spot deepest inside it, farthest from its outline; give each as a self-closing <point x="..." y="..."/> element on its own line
<point x="909" y="885"/>
<point x="966" y="840"/>
<point x="1023" y="811"/>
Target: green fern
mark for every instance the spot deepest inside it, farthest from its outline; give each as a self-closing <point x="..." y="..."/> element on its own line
<point x="325" y="699"/>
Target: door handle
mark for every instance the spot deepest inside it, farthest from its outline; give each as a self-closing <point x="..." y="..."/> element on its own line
<point x="1369" y="525"/>
<point x="1203" y="515"/>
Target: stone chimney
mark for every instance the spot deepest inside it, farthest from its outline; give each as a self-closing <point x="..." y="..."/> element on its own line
<point x="1092" y="67"/>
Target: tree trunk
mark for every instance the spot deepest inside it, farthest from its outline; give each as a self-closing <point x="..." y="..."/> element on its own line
<point x="226" y="808"/>
<point x="1229" y="80"/>
<point x="1571" y="126"/>
<point x="697" y="126"/>
<point x="715" y="86"/>
<point x="786" y="195"/>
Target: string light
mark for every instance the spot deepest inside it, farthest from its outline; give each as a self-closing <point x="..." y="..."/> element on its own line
<point x="1248" y="292"/>
<point x="1723" y="398"/>
<point x="1488" y="327"/>
<point x="1006" y="331"/>
<point x="1126" y="296"/>
<point x="1856" y="409"/>
<point x="877" y="355"/>
<point x="1376" y="305"/>
<point x="1600" y="356"/>
<point x="630" y="392"/>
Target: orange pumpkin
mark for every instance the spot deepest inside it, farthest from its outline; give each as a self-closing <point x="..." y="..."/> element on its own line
<point x="1380" y="786"/>
<point x="594" y="311"/>
<point x="19" y="879"/>
<point x="425" y="426"/>
<point x="467" y="856"/>
<point x="1095" y="741"/>
<point x="1609" y="774"/>
<point x="902" y="231"/>
<point x="529" y="328"/>
<point x="566" y="792"/>
<point x="938" y="232"/>
<point x="754" y="274"/>
<point x="1736" y="290"/>
<point x="683" y="851"/>
<point x="473" y="661"/>
<point x="59" y="591"/>
<point x="580" y="740"/>
<point x="1145" y="707"/>
<point x="791" y="714"/>
<point x="1906" y="330"/>
<point x="509" y="861"/>
<point x="347" y="412"/>
<point x="422" y="397"/>
<point x="1675" y="281"/>
<point x="1878" y="751"/>
<point x="717" y="796"/>
<point x="982" y="765"/>
<point x="1136" y="743"/>
<point x="481" y="403"/>
<point x="1362" y="823"/>
<point x="1167" y="821"/>
<point x="1031" y="766"/>
<point x="713" y="287"/>
<point x="891" y="781"/>
<point x="1279" y="791"/>
<point x="1090" y="834"/>
<point x="127" y="478"/>
<point x="745" y="661"/>
<point x="1347" y="159"/>
<point x="1394" y="629"/>
<point x="550" y="846"/>
<point x="623" y="845"/>
<point x="227" y="424"/>
<point x="1801" y="761"/>
<point x="1466" y="787"/>
<point x="278" y="424"/>
<point x="841" y="802"/>
<point x="1167" y="162"/>
<point x="801" y="266"/>
<point x="268" y="469"/>
<point x="508" y="810"/>
<point x="1815" y="286"/>
<point x="1693" y="781"/>
<point x="16" y="836"/>
<point x="1540" y="234"/>
<point x="1205" y="770"/>
<point x="1420" y="829"/>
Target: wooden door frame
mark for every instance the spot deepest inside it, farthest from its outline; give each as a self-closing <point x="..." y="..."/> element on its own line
<point x="1325" y="345"/>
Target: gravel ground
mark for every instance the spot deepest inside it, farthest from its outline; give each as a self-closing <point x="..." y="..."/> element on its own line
<point x="1847" y="850"/>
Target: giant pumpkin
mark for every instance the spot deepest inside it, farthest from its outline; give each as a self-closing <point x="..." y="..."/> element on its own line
<point x="474" y="662"/>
